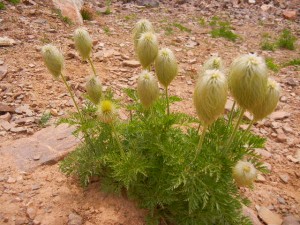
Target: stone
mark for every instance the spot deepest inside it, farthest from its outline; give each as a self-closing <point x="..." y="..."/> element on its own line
<point x="263" y="153"/>
<point x="52" y="143"/>
<point x="5" y="42"/>
<point x="6" y="125"/>
<point x="265" y="7"/>
<point x="35" y="187"/>
<point x="6" y="117"/>
<point x="269" y="217"/>
<point x="291" y="82"/>
<point x="252" y="1"/>
<point x="31" y="212"/>
<point x="147" y="3"/>
<point x="228" y="105"/>
<point x="18" y="129"/>
<point x="279" y="115"/>
<point x="131" y="63"/>
<point x="260" y="178"/>
<point x="70" y="9"/>
<point x="291" y="220"/>
<point x="11" y="180"/>
<point x="281" y="138"/>
<point x="6" y="108"/>
<point x="74" y="219"/>
<point x="284" y="177"/>
<point x="289" y="14"/>
<point x="3" y="71"/>
<point x="251" y="215"/>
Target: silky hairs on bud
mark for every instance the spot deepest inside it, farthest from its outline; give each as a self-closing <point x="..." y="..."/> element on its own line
<point x="83" y="43"/>
<point x="140" y="27"/>
<point x="213" y="63"/>
<point x="106" y="111"/>
<point x="248" y="80"/>
<point x="147" y="88"/>
<point x="244" y="173"/>
<point x="166" y="66"/>
<point x="270" y="101"/>
<point x="147" y="49"/>
<point x="94" y="89"/>
<point x="210" y="96"/>
<point x="53" y="59"/>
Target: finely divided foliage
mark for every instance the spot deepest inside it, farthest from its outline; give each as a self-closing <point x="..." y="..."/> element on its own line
<point x="158" y="158"/>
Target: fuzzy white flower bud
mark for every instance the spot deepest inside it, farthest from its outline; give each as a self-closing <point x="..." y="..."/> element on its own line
<point x="94" y="89"/>
<point x="53" y="59"/>
<point x="147" y="88"/>
<point x="147" y="49"/>
<point x="141" y="27"/>
<point x="244" y="173"/>
<point x="166" y="66"/>
<point x="268" y="105"/>
<point x="106" y="111"/>
<point x="83" y="43"/>
<point x="248" y="80"/>
<point x="213" y="63"/>
<point x="210" y="95"/>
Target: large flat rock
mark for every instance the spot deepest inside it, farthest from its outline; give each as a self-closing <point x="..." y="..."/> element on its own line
<point x="46" y="146"/>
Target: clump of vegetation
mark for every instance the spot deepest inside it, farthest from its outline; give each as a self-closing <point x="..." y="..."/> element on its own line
<point x="202" y="21"/>
<point x="272" y="65"/>
<point x="130" y="17"/>
<point x="222" y="29"/>
<point x="44" y="119"/>
<point x="106" y="30"/>
<point x="2" y="6"/>
<point x="182" y="169"/>
<point x="86" y="14"/>
<point x="168" y="30"/>
<point x="182" y="28"/>
<point x="14" y="2"/>
<point x="293" y="62"/>
<point x="107" y="10"/>
<point x="267" y="44"/>
<point x="286" y="40"/>
<point x="65" y="19"/>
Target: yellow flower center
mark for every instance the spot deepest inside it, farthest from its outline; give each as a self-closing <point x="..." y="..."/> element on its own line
<point x="106" y="106"/>
<point x="246" y="169"/>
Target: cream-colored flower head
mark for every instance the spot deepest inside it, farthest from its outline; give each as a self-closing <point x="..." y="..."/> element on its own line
<point x="166" y="66"/>
<point x="244" y="173"/>
<point x="213" y="63"/>
<point x="94" y="89"/>
<point x="140" y="27"/>
<point x="248" y="80"/>
<point x="83" y="43"/>
<point x="147" y="88"/>
<point x="268" y="105"/>
<point x="107" y="111"/>
<point x="147" y="49"/>
<point x="210" y="96"/>
<point x="53" y="59"/>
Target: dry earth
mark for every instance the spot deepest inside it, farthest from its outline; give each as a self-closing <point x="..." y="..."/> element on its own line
<point x="45" y="195"/>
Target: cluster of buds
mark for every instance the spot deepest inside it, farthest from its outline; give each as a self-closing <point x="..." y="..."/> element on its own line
<point x="54" y="61"/>
<point x="166" y="67"/>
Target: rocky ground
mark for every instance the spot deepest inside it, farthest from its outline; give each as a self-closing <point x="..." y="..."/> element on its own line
<point x="28" y="94"/>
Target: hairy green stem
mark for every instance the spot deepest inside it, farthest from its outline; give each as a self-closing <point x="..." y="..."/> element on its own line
<point x="92" y="65"/>
<point x="247" y="130"/>
<point x="236" y="128"/>
<point x="167" y="98"/>
<point x="71" y="94"/>
<point x="201" y="140"/>
<point x="116" y="136"/>
<point x="198" y="127"/>
<point x="231" y="113"/>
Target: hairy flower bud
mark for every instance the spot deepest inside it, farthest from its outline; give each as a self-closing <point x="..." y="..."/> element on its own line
<point x="244" y="173"/>
<point x="141" y="27"/>
<point x="213" y="63"/>
<point x="270" y="101"/>
<point x="248" y="80"/>
<point x="94" y="89"/>
<point x="83" y="43"/>
<point x="166" y="66"/>
<point x="147" y="88"/>
<point x="53" y="59"/>
<point x="106" y="111"/>
<point x="147" y="49"/>
<point x="210" y="95"/>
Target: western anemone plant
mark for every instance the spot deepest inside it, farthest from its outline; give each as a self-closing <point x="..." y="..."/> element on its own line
<point x="160" y="158"/>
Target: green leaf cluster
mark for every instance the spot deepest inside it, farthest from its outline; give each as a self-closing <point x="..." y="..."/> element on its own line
<point x="222" y="29"/>
<point x="152" y="157"/>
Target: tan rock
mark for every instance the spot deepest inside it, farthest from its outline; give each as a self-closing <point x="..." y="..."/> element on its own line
<point x="70" y="9"/>
<point x="269" y="217"/>
<point x="290" y="14"/>
<point x="131" y="63"/>
<point x="252" y="216"/>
